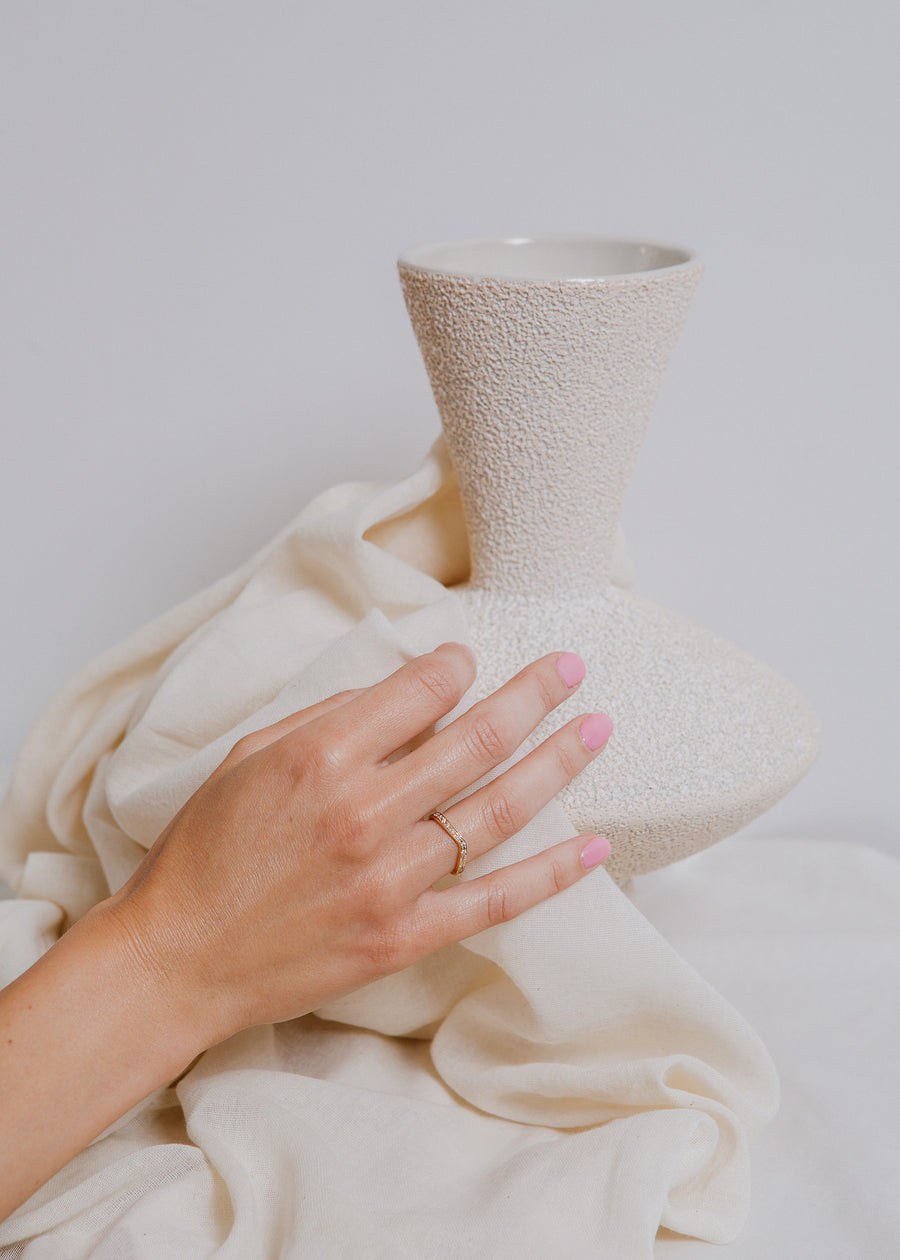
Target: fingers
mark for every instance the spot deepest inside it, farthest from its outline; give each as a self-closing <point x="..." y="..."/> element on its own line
<point x="501" y="808"/>
<point x="257" y="740"/>
<point x="440" y="918"/>
<point x="488" y="733"/>
<point x="376" y="721"/>
<point x="384" y="717"/>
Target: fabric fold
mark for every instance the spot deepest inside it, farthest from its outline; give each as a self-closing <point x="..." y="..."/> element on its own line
<point x="571" y="1049"/>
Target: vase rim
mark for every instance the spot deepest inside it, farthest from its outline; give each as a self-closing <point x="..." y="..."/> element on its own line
<point x="549" y="259"/>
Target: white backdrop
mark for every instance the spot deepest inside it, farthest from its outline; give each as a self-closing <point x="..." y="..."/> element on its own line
<point x="202" y="327"/>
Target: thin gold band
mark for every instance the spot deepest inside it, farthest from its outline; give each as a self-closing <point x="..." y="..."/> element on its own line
<point x="455" y="837"/>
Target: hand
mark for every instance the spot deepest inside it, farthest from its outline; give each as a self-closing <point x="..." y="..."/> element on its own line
<point x="303" y="868"/>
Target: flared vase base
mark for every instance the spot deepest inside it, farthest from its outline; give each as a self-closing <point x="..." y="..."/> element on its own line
<point x="706" y="737"/>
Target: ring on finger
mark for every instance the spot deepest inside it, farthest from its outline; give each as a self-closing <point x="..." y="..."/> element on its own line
<point x="461" y="848"/>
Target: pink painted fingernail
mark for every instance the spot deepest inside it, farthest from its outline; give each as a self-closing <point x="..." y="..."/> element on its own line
<point x="596" y="730"/>
<point x="595" y="852"/>
<point x="571" y="668"/>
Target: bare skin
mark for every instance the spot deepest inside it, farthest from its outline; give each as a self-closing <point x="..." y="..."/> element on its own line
<point x="302" y="869"/>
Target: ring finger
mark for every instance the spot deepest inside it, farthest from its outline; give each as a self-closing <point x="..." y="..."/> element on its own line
<point x="487" y="734"/>
<point x="498" y="810"/>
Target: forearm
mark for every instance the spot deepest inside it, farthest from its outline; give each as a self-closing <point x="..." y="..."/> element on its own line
<point x="303" y="868"/>
<point x="84" y="1035"/>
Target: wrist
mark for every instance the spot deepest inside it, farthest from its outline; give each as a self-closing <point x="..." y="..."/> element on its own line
<point x="152" y="977"/>
<point x="86" y="1034"/>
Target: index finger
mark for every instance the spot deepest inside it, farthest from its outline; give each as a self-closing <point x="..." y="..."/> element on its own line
<point x="387" y="715"/>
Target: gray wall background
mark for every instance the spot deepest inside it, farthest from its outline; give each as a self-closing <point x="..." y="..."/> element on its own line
<point x="202" y="327"/>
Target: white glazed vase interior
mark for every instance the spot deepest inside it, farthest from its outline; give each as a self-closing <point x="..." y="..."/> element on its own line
<point x="545" y="357"/>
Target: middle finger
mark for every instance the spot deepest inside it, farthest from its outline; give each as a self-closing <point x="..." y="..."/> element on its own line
<point x="488" y="733"/>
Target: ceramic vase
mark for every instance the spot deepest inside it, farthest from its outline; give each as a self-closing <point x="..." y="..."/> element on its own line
<point x="545" y="357"/>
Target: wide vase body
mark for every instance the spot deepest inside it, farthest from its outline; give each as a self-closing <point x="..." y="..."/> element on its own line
<point x="545" y="357"/>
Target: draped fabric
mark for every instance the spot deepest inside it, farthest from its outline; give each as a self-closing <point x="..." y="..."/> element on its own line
<point x="564" y="1084"/>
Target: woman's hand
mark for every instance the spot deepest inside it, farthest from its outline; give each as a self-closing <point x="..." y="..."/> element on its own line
<point x="303" y="868"/>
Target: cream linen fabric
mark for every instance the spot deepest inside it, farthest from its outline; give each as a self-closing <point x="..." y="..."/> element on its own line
<point x="804" y="937"/>
<point x="559" y="1086"/>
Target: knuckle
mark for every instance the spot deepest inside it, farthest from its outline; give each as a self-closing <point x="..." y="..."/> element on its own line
<point x="501" y="904"/>
<point x="485" y="739"/>
<point x="504" y="815"/>
<point x="349" y="826"/>
<point x="435" y="682"/>
<point x="558" y="876"/>
<point x="569" y="765"/>
<point x="384" y="949"/>
<point x="549" y="697"/>
<point x="245" y="747"/>
<point x="319" y="759"/>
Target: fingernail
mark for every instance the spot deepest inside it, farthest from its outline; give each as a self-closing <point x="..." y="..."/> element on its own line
<point x="596" y="730"/>
<point x="571" y="668"/>
<point x="595" y="852"/>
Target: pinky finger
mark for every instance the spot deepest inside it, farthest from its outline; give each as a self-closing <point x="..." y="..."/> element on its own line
<point x="471" y="907"/>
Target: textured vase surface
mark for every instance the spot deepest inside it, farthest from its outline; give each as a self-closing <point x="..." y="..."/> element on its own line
<point x="545" y="357"/>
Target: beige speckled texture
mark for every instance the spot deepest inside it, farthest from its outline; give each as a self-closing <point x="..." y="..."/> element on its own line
<point x="544" y="390"/>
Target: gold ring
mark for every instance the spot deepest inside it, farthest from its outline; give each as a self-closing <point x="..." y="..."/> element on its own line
<point x="455" y="837"/>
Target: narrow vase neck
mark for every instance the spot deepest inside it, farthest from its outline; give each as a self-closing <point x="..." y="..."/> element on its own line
<point x="544" y="392"/>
